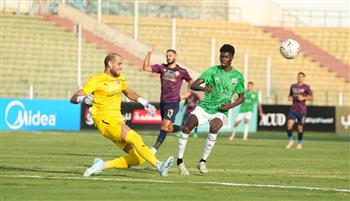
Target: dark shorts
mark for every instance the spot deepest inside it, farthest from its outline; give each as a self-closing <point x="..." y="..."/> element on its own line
<point x="169" y="111"/>
<point x="299" y="117"/>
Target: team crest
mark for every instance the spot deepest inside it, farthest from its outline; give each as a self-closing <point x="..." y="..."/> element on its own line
<point x="233" y="81"/>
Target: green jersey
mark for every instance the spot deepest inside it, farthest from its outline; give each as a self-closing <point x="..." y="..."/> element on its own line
<point x="250" y="99"/>
<point x="224" y="85"/>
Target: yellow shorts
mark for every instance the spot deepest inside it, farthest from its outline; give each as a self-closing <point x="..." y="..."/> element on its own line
<point x="111" y="128"/>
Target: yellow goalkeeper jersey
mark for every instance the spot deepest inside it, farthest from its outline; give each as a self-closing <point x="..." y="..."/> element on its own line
<point x="107" y="91"/>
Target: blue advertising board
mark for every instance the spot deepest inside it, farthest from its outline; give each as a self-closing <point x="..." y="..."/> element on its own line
<point x="38" y="114"/>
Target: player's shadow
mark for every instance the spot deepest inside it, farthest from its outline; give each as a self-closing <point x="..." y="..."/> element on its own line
<point x="22" y="169"/>
<point x="82" y="155"/>
<point x="239" y="144"/>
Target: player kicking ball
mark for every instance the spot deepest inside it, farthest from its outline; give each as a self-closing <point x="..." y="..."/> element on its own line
<point x="221" y="83"/>
<point x="251" y="97"/>
<point x="299" y="93"/>
<point x="104" y="91"/>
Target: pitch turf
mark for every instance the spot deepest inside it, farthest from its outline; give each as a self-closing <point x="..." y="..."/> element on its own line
<point x="49" y="166"/>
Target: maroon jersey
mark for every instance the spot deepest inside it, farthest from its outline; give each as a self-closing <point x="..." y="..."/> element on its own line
<point x="191" y="102"/>
<point x="296" y="90"/>
<point x="171" y="81"/>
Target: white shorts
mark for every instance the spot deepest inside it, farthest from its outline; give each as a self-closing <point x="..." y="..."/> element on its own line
<point x="204" y="117"/>
<point x="244" y="115"/>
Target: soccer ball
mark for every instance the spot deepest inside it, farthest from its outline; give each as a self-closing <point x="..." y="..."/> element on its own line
<point x="289" y="48"/>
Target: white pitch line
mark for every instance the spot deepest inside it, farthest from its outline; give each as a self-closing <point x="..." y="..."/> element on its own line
<point x="179" y="182"/>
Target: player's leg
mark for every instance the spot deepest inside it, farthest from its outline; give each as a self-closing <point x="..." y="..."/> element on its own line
<point x="117" y="131"/>
<point x="290" y="123"/>
<point x="132" y="159"/>
<point x="215" y="125"/>
<point x="239" y="118"/>
<point x="246" y="129"/>
<point x="130" y="136"/>
<point x="98" y="164"/>
<point x="247" y="117"/>
<point x="300" y="128"/>
<point x="190" y="123"/>
<point x="169" y="111"/>
<point x="112" y="129"/>
<point x="237" y="122"/>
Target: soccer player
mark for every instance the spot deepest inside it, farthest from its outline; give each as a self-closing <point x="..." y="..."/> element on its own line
<point x="221" y="83"/>
<point x="106" y="88"/>
<point x="251" y="98"/>
<point x="171" y="77"/>
<point x="299" y="93"/>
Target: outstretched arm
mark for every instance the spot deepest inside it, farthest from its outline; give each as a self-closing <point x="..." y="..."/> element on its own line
<point x="137" y="98"/>
<point x="188" y="93"/>
<point x="80" y="97"/>
<point x="147" y="61"/>
<point x="131" y="94"/>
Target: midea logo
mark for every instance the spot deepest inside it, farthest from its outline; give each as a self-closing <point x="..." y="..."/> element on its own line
<point x="27" y="117"/>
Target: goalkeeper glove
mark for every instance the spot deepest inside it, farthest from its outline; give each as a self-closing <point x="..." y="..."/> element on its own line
<point x="88" y="99"/>
<point x="151" y="110"/>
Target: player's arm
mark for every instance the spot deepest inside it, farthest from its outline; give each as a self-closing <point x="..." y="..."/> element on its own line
<point x="290" y="96"/>
<point x="261" y="113"/>
<point x="308" y="96"/>
<point x="238" y="101"/>
<point x="195" y="86"/>
<point x="147" y="61"/>
<point x="81" y="97"/>
<point x="188" y="93"/>
<point x="137" y="98"/>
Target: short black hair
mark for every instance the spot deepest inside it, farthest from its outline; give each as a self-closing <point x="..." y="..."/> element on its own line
<point x="171" y="50"/>
<point x="250" y="82"/>
<point x="228" y="48"/>
<point x="109" y="57"/>
<point x="301" y="73"/>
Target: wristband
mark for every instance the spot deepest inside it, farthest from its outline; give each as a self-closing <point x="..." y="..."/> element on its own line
<point x="142" y="101"/>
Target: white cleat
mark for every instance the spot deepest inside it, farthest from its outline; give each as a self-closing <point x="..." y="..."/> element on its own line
<point x="289" y="145"/>
<point x="183" y="170"/>
<point x="96" y="168"/>
<point x="299" y="147"/>
<point x="163" y="167"/>
<point x="232" y="137"/>
<point x="202" y="168"/>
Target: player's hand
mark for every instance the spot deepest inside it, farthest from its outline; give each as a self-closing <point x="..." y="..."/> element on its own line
<point x="151" y="48"/>
<point x="88" y="99"/>
<point x="261" y="114"/>
<point x="226" y="106"/>
<point x="151" y="110"/>
<point x="207" y="89"/>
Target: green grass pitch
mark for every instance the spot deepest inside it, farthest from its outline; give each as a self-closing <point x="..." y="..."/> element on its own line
<point x="49" y="166"/>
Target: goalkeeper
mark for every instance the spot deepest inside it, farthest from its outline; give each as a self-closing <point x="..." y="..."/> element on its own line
<point x="103" y="91"/>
